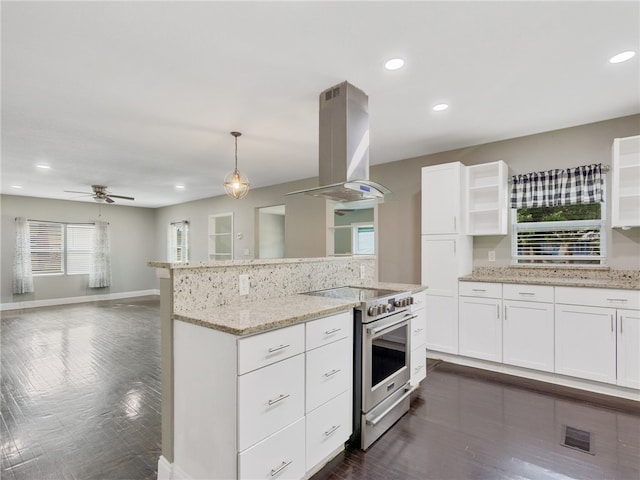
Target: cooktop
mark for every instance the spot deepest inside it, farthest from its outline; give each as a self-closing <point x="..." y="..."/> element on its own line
<point x="354" y="293"/>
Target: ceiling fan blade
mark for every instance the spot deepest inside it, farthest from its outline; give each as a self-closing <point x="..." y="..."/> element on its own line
<point x="109" y="200"/>
<point x="122" y="196"/>
<point x="74" y="191"/>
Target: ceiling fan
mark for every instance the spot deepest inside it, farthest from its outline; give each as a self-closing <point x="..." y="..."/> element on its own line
<point x="101" y="194"/>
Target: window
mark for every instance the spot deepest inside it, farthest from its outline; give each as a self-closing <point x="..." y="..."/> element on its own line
<point x="177" y="242"/>
<point x="564" y="234"/>
<point x="58" y="248"/>
<point x="363" y="239"/>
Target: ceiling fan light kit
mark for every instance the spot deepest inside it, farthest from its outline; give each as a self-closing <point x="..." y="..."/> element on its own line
<point x="236" y="185"/>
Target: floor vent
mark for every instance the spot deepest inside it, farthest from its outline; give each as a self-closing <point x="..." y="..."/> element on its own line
<point x="577" y="439"/>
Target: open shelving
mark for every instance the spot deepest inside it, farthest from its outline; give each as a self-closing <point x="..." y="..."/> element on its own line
<point x="487" y="199"/>
<point x="625" y="192"/>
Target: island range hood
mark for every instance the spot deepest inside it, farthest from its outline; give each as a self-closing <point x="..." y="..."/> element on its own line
<point x="344" y="147"/>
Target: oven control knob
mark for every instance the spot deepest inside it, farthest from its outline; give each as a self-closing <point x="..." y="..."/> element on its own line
<point x="384" y="308"/>
<point x="373" y="311"/>
<point x="397" y="303"/>
<point x="410" y="300"/>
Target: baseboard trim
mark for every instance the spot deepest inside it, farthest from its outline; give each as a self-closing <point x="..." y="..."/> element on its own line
<point x="164" y="469"/>
<point x="620" y="398"/>
<point x="50" y="302"/>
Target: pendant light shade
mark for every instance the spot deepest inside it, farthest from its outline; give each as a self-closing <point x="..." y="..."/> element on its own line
<point x="236" y="185"/>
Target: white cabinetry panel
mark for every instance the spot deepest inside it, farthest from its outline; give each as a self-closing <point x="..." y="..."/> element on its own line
<point x="328" y="372"/>
<point x="480" y="330"/>
<point x="328" y="427"/>
<point x="585" y="342"/>
<point x="266" y="348"/>
<point x="281" y="456"/>
<point x="442" y="324"/>
<point x="528" y="331"/>
<point x="629" y="348"/>
<point x="269" y="399"/>
<point x="441" y="191"/>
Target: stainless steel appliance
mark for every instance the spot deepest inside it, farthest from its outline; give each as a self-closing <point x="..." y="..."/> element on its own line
<point x="382" y="356"/>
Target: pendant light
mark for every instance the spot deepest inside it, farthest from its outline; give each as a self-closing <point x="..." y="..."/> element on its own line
<point x="236" y="185"/>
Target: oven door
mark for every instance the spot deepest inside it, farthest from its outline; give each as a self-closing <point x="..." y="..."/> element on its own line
<point x="386" y="354"/>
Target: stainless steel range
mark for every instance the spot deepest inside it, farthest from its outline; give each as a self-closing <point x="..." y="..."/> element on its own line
<point x="382" y="355"/>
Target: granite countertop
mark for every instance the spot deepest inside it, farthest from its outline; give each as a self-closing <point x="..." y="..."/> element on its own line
<point x="595" y="278"/>
<point x="259" y="316"/>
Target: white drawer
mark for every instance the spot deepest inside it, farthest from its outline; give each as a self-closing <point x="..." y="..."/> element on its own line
<point x="329" y="372"/>
<point x="328" y="427"/>
<point x="418" y="364"/>
<point x="480" y="289"/>
<point x="280" y="456"/>
<point x="329" y="329"/>
<point x="529" y="293"/>
<point x="419" y="329"/>
<point x="269" y="399"/>
<point x="266" y="348"/>
<point x="598" y="297"/>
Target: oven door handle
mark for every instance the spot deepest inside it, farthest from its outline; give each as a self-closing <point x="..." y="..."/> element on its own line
<point x="376" y="330"/>
<point x="376" y="420"/>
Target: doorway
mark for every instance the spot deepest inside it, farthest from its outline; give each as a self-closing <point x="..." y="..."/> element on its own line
<point x="270" y="231"/>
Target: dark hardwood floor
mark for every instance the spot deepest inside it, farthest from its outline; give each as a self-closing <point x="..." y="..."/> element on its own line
<point x="80" y="400"/>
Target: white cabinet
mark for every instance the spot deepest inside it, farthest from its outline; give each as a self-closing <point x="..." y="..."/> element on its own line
<point x="586" y="342"/>
<point x="528" y="327"/>
<point x="480" y="323"/>
<point x="442" y="186"/>
<point x="418" y="339"/>
<point x="271" y="405"/>
<point x="628" y="344"/>
<point x="444" y="259"/>
<point x="625" y="191"/>
<point x="607" y="320"/>
<point x="486" y="199"/>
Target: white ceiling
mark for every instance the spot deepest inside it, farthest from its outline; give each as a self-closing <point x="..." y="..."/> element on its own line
<point x="140" y="96"/>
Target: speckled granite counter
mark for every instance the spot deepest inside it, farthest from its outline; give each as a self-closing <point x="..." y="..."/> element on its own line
<point x="579" y="277"/>
<point x="259" y="316"/>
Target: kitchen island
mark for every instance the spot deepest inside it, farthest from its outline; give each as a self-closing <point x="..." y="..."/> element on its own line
<point x="223" y="352"/>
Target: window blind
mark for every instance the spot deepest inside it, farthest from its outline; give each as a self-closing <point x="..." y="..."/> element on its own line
<point x="47" y="248"/>
<point x="79" y="246"/>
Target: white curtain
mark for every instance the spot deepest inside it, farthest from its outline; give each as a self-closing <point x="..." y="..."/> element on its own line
<point x="100" y="273"/>
<point x="22" y="276"/>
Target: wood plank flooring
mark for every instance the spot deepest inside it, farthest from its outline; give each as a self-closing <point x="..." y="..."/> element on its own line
<point x="80" y="399"/>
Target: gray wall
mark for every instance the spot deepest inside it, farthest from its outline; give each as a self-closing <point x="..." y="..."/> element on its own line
<point x="132" y="243"/>
<point x="399" y="220"/>
<point x="139" y="235"/>
<point x="305" y="234"/>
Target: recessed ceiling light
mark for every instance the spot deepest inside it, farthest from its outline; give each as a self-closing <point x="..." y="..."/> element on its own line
<point x="394" y="64"/>
<point x="179" y="187"/>
<point x="622" y="56"/>
<point x="43" y="166"/>
<point x="16" y="186"/>
<point x="440" y="107"/>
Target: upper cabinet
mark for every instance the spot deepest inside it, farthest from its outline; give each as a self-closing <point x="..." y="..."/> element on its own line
<point x="487" y="199"/>
<point x="441" y="191"/>
<point x="625" y="191"/>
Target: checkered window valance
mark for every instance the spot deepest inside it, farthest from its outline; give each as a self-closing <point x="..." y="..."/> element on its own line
<point x="558" y="187"/>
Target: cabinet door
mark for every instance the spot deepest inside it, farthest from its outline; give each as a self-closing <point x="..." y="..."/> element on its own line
<point x="328" y="427"/>
<point x="441" y="199"/>
<point x="585" y="340"/>
<point x="527" y="330"/>
<point x="480" y="328"/>
<point x="418" y="365"/>
<point x="442" y="324"/>
<point x="328" y="372"/>
<point x="440" y="266"/>
<point x="629" y="348"/>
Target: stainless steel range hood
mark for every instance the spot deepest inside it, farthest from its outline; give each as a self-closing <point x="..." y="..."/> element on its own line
<point x="344" y="147"/>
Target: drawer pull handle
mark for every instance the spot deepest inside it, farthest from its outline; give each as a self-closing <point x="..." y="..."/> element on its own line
<point x="530" y="294"/>
<point x="478" y="290"/>
<point x="418" y="330"/>
<point x="276" y="349"/>
<point x="280" y="468"/>
<point x="279" y="399"/>
<point x="331" y="430"/>
<point x="621" y="317"/>
<point x="617" y="299"/>
<point x="612" y="322"/>
<point x="418" y="368"/>
<point x="330" y="332"/>
<point x="331" y="373"/>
